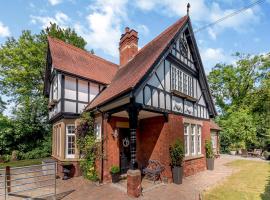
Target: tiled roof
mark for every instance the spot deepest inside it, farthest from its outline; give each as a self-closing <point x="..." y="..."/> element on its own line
<point x="68" y="58"/>
<point x="129" y="75"/>
<point x="214" y="126"/>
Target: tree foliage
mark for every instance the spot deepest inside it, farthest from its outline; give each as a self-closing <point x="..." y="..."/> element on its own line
<point x="241" y="93"/>
<point x="22" y="65"/>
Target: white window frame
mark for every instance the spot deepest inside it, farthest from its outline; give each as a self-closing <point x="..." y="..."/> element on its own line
<point x="186" y="133"/>
<point x="67" y="135"/>
<point x="98" y="131"/>
<point x="199" y="135"/>
<point x="193" y="135"/>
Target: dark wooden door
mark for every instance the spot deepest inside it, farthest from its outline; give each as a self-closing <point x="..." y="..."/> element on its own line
<point x="124" y="145"/>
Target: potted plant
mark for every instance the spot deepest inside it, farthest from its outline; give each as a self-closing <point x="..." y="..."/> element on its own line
<point x="115" y="173"/>
<point x="209" y="155"/>
<point x="177" y="154"/>
<point x="233" y="149"/>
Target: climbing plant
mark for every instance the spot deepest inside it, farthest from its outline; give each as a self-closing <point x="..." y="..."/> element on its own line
<point x="88" y="145"/>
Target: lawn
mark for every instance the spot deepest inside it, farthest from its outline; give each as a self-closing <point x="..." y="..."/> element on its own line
<point x="21" y="163"/>
<point x="251" y="182"/>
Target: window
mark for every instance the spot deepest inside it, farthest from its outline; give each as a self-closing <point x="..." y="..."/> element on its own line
<point x="193" y="139"/>
<point x="70" y="141"/>
<point x="214" y="141"/>
<point x="186" y="137"/>
<point x="98" y="131"/>
<point x="199" y="139"/>
<point x="193" y="142"/>
<point x="185" y="84"/>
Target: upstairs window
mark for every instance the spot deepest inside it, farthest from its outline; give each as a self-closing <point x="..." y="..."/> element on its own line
<point x="181" y="82"/>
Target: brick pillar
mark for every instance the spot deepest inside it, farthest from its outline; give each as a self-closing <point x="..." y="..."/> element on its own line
<point x="134" y="183"/>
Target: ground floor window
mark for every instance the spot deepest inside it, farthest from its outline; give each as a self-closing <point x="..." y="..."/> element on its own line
<point x="193" y="139"/>
<point x="70" y="141"/>
<point x="98" y="131"/>
<point x="57" y="140"/>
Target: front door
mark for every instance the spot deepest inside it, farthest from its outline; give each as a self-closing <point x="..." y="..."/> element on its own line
<point x="124" y="142"/>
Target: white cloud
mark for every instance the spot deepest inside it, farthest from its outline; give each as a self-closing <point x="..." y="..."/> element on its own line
<point x="142" y="29"/>
<point x="212" y="56"/>
<point x="4" y="30"/>
<point x="204" y="13"/>
<point x="54" y="2"/>
<point x="60" y="19"/>
<point x="104" y="25"/>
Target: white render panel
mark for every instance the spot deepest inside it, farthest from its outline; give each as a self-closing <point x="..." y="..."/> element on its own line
<point x="160" y="74"/>
<point x="162" y="100"/>
<point x="70" y="106"/>
<point x="168" y="102"/>
<point x="147" y="96"/>
<point x="59" y="76"/>
<point x="155" y="98"/>
<point x="167" y="76"/>
<point x="177" y="104"/>
<point x="82" y="90"/>
<point x="70" y="88"/>
<point x="94" y="90"/>
<point x="154" y="81"/>
<point x="199" y="92"/>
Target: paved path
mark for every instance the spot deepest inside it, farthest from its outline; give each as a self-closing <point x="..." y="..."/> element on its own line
<point x="190" y="189"/>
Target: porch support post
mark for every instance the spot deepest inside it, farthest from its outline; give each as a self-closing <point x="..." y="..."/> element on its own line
<point x="133" y="121"/>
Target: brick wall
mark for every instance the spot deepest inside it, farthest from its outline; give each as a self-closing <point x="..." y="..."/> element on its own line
<point x="154" y="137"/>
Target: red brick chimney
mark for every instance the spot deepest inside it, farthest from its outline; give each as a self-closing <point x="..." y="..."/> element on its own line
<point x="128" y="45"/>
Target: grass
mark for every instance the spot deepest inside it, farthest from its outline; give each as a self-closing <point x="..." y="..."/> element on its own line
<point x="21" y="163"/>
<point x="251" y="182"/>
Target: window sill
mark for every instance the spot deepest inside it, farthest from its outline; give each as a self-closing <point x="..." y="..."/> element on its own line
<point x="187" y="158"/>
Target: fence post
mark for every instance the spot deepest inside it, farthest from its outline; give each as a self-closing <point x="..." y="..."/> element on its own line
<point x="8" y="179"/>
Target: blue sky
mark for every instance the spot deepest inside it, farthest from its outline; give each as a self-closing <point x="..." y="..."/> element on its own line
<point x="101" y="23"/>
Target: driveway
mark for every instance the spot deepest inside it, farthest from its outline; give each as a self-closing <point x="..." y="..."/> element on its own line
<point x="79" y="189"/>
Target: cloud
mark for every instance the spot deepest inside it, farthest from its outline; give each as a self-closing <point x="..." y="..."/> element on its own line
<point x="4" y="30"/>
<point x="204" y="13"/>
<point x="60" y="19"/>
<point x="142" y="29"/>
<point x="103" y="29"/>
<point x="55" y="2"/>
<point x="212" y="56"/>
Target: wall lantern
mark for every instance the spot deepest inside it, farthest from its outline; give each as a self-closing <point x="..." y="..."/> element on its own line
<point x="115" y="133"/>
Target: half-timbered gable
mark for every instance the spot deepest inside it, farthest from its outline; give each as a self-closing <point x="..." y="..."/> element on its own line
<point x="174" y="84"/>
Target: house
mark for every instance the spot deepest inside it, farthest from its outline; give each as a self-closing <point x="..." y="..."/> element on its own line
<point x="141" y="106"/>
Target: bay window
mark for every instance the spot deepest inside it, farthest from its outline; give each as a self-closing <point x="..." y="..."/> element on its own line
<point x="199" y="139"/>
<point x="70" y="141"/>
<point x="193" y="142"/>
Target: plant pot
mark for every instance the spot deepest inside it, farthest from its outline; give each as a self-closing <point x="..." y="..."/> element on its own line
<point x="115" y="177"/>
<point x="177" y="173"/>
<point x="210" y="163"/>
<point x="233" y="153"/>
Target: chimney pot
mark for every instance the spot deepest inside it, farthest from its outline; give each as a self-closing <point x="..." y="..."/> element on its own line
<point x="127" y="29"/>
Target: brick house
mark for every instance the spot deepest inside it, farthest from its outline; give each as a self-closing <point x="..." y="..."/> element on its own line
<point x="154" y="96"/>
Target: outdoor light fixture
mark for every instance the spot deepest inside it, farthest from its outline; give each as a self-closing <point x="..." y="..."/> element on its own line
<point x="115" y="133"/>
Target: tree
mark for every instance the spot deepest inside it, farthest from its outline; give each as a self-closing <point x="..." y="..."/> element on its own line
<point x="22" y="65"/>
<point x="241" y="93"/>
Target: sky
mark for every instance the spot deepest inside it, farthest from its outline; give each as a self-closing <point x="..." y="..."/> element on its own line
<point x="101" y="23"/>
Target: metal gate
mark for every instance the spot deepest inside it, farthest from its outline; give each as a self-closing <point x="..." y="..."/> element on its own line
<point x="28" y="182"/>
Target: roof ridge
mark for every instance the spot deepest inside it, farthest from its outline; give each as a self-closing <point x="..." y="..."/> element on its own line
<point x="79" y="50"/>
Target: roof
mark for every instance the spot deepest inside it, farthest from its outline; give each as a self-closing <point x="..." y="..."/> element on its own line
<point x="214" y="126"/>
<point x="130" y="75"/>
<point x="70" y="59"/>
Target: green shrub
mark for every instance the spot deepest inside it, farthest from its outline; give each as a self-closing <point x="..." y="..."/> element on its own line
<point x="115" y="169"/>
<point x="209" y="149"/>
<point x="6" y="158"/>
<point x="177" y="153"/>
<point x="266" y="155"/>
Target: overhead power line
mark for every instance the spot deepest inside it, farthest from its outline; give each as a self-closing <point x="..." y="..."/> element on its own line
<point x="230" y="15"/>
